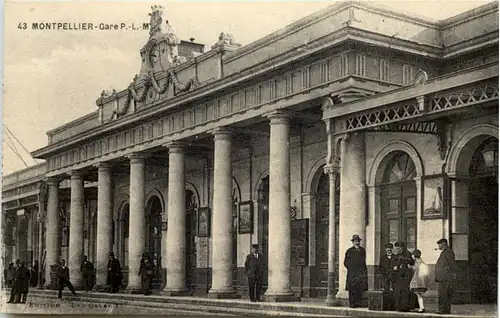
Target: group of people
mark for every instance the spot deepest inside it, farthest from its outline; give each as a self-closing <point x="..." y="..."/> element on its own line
<point x="405" y="275"/>
<point x="19" y="282"/>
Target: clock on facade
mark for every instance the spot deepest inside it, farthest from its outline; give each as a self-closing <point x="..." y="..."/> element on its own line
<point x="154" y="55"/>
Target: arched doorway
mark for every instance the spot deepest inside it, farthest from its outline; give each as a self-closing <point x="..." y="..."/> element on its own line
<point x="191" y="210"/>
<point x="322" y="210"/>
<point x="483" y="222"/>
<point x="154" y="211"/>
<point x="236" y="201"/>
<point x="398" y="198"/>
<point x="124" y="225"/>
<point x="263" y="206"/>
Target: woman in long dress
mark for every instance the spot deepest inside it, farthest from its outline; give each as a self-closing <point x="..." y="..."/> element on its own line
<point x="420" y="281"/>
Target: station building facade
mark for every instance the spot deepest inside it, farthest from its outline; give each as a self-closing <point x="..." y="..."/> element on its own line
<point x="353" y="120"/>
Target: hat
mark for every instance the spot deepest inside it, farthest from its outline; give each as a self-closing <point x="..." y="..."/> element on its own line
<point x="111" y="254"/>
<point x="256" y="246"/>
<point x="18" y="261"/>
<point x="389" y="245"/>
<point x="355" y="237"/>
<point x="399" y="244"/>
<point x="443" y="240"/>
<point x="145" y="255"/>
<point x="417" y="253"/>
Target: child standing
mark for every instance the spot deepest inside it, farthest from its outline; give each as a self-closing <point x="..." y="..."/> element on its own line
<point x="420" y="281"/>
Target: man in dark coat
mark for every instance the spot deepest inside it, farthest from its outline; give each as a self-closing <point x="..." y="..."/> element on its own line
<point x="146" y="271"/>
<point x="63" y="276"/>
<point x="403" y="274"/>
<point x="254" y="268"/>
<point x="387" y="263"/>
<point x="23" y="282"/>
<point x="34" y="275"/>
<point x="14" y="289"/>
<point x="445" y="275"/>
<point x="357" y="272"/>
<point x="114" y="278"/>
<point x="87" y="270"/>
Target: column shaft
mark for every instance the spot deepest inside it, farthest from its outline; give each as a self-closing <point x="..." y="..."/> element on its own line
<point x="332" y="234"/>
<point x="176" y="231"/>
<point x="75" y="251"/>
<point x="352" y="199"/>
<point x="137" y="224"/>
<point x="279" y="285"/>
<point x="222" y="227"/>
<point x="53" y="232"/>
<point x="104" y="223"/>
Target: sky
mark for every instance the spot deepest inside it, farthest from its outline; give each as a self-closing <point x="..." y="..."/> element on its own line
<point x="53" y="77"/>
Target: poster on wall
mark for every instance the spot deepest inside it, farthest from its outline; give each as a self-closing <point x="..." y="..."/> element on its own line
<point x="204" y="222"/>
<point x="435" y="197"/>
<point x="245" y="218"/>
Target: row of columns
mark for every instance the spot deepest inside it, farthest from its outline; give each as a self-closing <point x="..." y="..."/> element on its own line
<point x="279" y="286"/>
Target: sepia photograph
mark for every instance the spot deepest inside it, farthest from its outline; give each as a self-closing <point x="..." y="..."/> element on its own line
<point x="250" y="158"/>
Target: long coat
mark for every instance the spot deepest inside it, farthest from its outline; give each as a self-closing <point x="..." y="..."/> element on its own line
<point x="357" y="272"/>
<point x="22" y="277"/>
<point x="114" y="272"/>
<point x="445" y="265"/>
<point x="146" y="271"/>
<point x="254" y="266"/>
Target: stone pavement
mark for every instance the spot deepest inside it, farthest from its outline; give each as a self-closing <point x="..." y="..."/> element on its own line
<point x="45" y="301"/>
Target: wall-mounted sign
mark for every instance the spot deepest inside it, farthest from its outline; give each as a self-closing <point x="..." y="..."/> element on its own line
<point x="20" y="212"/>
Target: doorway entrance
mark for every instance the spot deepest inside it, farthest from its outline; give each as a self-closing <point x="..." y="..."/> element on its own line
<point x="398" y="194"/>
<point x="22" y="234"/>
<point x="263" y="206"/>
<point x="483" y="223"/>
<point x="191" y="209"/>
<point x="154" y="208"/>
<point x="322" y="212"/>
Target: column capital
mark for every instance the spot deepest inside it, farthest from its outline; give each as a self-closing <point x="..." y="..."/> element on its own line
<point x="331" y="169"/>
<point x="137" y="158"/>
<point x="76" y="174"/>
<point x="175" y="146"/>
<point x="222" y="133"/>
<point x="53" y="181"/>
<point x="279" y="117"/>
<point x="102" y="166"/>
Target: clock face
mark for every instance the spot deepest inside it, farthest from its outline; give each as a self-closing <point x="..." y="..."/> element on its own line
<point x="154" y="55"/>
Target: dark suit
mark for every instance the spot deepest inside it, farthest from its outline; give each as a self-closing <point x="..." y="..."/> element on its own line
<point x="402" y="278"/>
<point x="445" y="274"/>
<point x="357" y="274"/>
<point x="63" y="276"/>
<point x="87" y="270"/>
<point x="386" y="269"/>
<point x="254" y="267"/>
<point x="114" y="275"/>
<point x="15" y="283"/>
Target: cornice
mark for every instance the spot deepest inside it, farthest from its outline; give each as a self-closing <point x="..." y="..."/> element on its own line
<point x="74" y="122"/>
<point x="469" y="15"/>
<point x="477" y="44"/>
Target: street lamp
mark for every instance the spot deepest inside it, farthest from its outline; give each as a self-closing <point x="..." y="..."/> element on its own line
<point x="490" y="154"/>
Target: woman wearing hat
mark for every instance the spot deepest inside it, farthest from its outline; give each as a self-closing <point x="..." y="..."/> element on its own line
<point x="146" y="271"/>
<point x="420" y="280"/>
<point x="357" y="272"/>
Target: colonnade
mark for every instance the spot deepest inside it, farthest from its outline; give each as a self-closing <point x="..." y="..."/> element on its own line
<point x="279" y="281"/>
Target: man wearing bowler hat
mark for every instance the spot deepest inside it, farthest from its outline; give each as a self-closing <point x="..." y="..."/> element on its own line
<point x="254" y="267"/>
<point x="357" y="272"/>
<point x="445" y="274"/>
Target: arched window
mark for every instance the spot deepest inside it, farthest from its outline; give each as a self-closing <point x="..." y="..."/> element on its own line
<point x="400" y="169"/>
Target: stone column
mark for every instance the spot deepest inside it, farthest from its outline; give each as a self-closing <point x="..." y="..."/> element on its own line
<point x="137" y="221"/>
<point x="352" y="200"/>
<point x="53" y="232"/>
<point x="176" y="231"/>
<point x="75" y="250"/>
<point x="279" y="283"/>
<point x="332" y="235"/>
<point x="104" y="223"/>
<point x="222" y="245"/>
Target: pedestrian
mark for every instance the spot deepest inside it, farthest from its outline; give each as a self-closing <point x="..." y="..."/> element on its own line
<point x="87" y="270"/>
<point x="445" y="275"/>
<point x="387" y="262"/>
<point x="23" y="282"/>
<point x="114" y="278"/>
<point x="146" y="271"/>
<point x="254" y="268"/>
<point x="420" y="280"/>
<point x="14" y="294"/>
<point x="402" y="276"/>
<point x="10" y="274"/>
<point x="357" y="272"/>
<point x="34" y="274"/>
<point x="63" y="276"/>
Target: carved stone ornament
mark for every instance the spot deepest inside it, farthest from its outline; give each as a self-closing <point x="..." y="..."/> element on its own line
<point x="225" y="39"/>
<point x="421" y="77"/>
<point x="155" y="20"/>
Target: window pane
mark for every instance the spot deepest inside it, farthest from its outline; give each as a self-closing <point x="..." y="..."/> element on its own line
<point x="410" y="204"/>
<point x="393" y="206"/>
<point x="393" y="230"/>
<point x="411" y="234"/>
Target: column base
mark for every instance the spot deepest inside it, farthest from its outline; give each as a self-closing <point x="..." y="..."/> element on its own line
<point x="223" y="294"/>
<point x="133" y="291"/>
<point x="176" y="293"/>
<point x="278" y="298"/>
